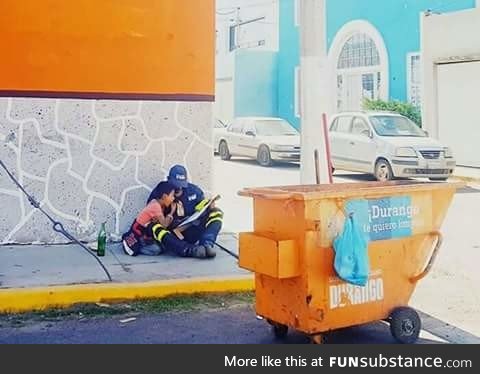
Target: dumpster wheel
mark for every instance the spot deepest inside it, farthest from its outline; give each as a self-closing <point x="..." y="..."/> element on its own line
<point x="405" y="325"/>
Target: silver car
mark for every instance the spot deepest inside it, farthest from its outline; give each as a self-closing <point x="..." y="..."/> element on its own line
<point x="387" y="145"/>
<point x="265" y="139"/>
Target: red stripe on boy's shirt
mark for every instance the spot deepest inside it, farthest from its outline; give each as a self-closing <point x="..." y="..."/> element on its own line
<point x="137" y="229"/>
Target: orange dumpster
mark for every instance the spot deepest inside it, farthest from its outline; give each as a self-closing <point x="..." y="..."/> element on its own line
<point x="291" y="253"/>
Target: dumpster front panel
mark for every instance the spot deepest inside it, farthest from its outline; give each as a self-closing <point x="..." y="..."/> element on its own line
<point x="284" y="219"/>
<point x="381" y="217"/>
<point x="277" y="299"/>
<point x="282" y="300"/>
<point x="440" y="203"/>
<point x="335" y="304"/>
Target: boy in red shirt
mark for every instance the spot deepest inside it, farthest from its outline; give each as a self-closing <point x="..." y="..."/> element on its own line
<point x="152" y="224"/>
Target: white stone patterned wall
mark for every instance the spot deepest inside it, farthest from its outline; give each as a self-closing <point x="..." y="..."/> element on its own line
<point x="89" y="161"/>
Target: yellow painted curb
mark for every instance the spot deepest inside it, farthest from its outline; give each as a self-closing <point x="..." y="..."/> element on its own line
<point x="16" y="300"/>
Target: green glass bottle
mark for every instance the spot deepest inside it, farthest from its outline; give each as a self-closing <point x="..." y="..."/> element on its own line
<point x="101" y="241"/>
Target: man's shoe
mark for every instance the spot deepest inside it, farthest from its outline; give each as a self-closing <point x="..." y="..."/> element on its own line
<point x="198" y="251"/>
<point x="211" y="253"/>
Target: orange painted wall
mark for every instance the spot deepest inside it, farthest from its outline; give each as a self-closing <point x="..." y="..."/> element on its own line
<point x="108" y="46"/>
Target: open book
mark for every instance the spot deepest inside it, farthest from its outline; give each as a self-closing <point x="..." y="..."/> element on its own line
<point x="183" y="224"/>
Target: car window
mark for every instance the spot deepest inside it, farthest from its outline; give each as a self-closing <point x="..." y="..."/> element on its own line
<point x="396" y="126"/>
<point x="249" y="126"/>
<point x="359" y="126"/>
<point x="344" y="124"/>
<point x="275" y="127"/>
<point x="334" y="125"/>
<point x="236" y="127"/>
<point x="219" y="124"/>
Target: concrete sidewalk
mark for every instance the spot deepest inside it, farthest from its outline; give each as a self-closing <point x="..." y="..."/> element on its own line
<point x="28" y="272"/>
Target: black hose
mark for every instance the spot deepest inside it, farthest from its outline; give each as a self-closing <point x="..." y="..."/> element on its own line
<point x="57" y="226"/>
<point x="227" y="251"/>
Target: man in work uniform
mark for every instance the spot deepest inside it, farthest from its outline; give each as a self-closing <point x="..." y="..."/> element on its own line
<point x="190" y="199"/>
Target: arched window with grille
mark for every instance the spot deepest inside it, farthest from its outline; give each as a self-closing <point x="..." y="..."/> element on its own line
<point x="360" y="62"/>
<point x="359" y="51"/>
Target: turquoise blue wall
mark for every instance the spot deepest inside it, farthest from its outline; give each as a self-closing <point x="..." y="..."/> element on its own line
<point x="265" y="81"/>
<point x="256" y="83"/>
<point x="288" y="60"/>
<point x="399" y="23"/>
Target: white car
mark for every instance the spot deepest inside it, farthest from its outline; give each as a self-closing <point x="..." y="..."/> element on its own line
<point x="265" y="139"/>
<point x="387" y="145"/>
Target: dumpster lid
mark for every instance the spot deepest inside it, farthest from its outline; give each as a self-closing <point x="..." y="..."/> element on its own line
<point x="345" y="190"/>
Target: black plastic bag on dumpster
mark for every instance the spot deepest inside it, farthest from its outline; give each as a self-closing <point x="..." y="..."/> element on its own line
<point x="351" y="254"/>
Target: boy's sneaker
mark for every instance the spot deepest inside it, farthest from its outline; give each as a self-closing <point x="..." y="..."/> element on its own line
<point x="198" y="251"/>
<point x="211" y="253"/>
<point x="127" y="249"/>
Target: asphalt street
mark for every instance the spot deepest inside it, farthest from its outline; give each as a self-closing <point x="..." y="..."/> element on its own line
<point x="237" y="325"/>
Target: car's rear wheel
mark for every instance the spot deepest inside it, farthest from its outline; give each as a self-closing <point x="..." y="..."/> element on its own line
<point x="223" y="151"/>
<point x="383" y="171"/>
<point x="264" y="158"/>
